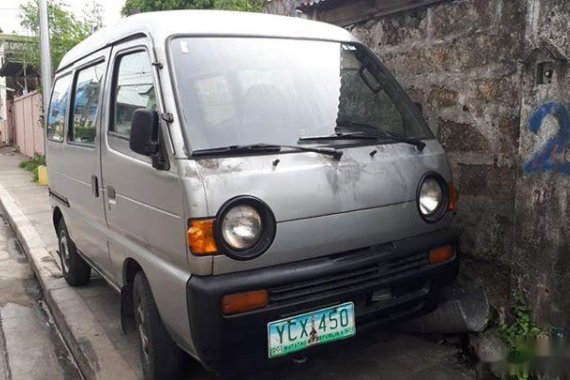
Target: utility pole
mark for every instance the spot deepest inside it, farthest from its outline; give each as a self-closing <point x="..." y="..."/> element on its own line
<point x="45" y="54"/>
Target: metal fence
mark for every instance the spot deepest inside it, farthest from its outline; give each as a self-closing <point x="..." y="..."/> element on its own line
<point x="5" y="133"/>
<point x="23" y="127"/>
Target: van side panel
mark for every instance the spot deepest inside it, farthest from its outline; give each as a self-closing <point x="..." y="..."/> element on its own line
<point x="55" y="146"/>
<point x="74" y="167"/>
<point x="144" y="206"/>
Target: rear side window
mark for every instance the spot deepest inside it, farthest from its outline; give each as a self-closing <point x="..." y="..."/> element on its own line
<point x="134" y="89"/>
<point x="58" y="109"/>
<point x="85" y="107"/>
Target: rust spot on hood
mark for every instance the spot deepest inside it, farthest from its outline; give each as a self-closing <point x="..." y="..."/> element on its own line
<point x="209" y="163"/>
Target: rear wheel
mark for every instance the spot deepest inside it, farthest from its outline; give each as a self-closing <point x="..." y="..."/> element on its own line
<point x="75" y="270"/>
<point x="161" y="358"/>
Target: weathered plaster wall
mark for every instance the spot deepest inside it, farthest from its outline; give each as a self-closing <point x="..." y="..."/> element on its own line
<point x="459" y="60"/>
<point x="541" y="251"/>
<point x="473" y="64"/>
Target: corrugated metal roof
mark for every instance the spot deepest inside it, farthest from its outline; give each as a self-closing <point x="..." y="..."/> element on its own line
<point x="310" y="3"/>
<point x="348" y="12"/>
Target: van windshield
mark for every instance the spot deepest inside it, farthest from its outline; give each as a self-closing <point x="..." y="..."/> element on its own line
<point x="241" y="91"/>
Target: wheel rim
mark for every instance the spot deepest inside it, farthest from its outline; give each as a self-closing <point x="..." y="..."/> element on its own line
<point x="64" y="253"/>
<point x="142" y="334"/>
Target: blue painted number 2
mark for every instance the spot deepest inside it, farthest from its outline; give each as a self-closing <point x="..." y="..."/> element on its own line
<point x="555" y="153"/>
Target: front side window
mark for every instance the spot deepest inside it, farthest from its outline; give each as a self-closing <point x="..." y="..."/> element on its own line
<point x="134" y="89"/>
<point x="58" y="109"/>
<point x="241" y="91"/>
<point x="85" y="107"/>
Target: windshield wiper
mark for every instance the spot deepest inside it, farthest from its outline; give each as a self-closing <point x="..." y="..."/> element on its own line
<point x="341" y="136"/>
<point x="362" y="135"/>
<point x="419" y="144"/>
<point x="264" y="148"/>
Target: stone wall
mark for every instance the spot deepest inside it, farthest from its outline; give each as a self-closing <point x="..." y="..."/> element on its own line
<point x="542" y="248"/>
<point x="459" y="60"/>
<point x="283" y="8"/>
<point x="481" y="69"/>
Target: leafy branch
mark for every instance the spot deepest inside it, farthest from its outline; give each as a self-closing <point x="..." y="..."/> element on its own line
<point x="65" y="30"/>
<point x="137" y="6"/>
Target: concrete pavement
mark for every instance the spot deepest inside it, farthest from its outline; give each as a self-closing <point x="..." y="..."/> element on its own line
<point x="30" y="347"/>
<point x="88" y="317"/>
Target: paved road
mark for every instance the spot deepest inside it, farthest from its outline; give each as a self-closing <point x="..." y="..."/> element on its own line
<point x="30" y="347"/>
<point x="382" y="355"/>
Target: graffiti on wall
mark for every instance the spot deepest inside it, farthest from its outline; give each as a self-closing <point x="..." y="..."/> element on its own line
<point x="554" y="154"/>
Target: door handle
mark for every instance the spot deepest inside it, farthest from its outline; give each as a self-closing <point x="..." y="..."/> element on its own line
<point x="111" y="196"/>
<point x="95" y="186"/>
<point x="111" y="192"/>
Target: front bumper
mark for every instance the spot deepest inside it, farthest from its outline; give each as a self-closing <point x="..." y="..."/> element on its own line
<point x="239" y="342"/>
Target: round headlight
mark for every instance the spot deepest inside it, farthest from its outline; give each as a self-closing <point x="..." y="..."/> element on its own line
<point x="242" y="227"/>
<point x="245" y="228"/>
<point x="431" y="197"/>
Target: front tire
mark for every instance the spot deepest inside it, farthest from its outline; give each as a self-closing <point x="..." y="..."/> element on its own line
<point x="75" y="270"/>
<point x="160" y="357"/>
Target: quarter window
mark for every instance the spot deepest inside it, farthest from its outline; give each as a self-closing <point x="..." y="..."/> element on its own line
<point x="58" y="109"/>
<point x="134" y="89"/>
<point x="86" y="101"/>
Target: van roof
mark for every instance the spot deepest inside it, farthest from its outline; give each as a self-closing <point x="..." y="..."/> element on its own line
<point x="161" y="25"/>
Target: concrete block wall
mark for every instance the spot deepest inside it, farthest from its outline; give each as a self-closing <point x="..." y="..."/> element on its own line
<point x="459" y="60"/>
<point x="283" y="8"/>
<point x="541" y="262"/>
<point x="477" y="66"/>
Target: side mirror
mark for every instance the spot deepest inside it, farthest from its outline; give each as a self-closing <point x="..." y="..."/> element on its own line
<point x="144" y="132"/>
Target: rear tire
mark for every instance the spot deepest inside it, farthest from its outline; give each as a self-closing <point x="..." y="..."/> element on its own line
<point x="75" y="270"/>
<point x="160" y="356"/>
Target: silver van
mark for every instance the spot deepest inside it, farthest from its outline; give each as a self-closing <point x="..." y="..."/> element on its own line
<point x="253" y="186"/>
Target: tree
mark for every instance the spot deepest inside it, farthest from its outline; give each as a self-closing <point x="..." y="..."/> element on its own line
<point x="138" y="6"/>
<point x="65" y="30"/>
<point x="93" y="16"/>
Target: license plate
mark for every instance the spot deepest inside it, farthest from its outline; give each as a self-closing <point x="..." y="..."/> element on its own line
<point x="300" y="332"/>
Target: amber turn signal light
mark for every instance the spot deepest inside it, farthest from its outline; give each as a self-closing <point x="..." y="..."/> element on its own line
<point x="201" y="237"/>
<point x="440" y="254"/>
<point x="453" y="198"/>
<point x="242" y="302"/>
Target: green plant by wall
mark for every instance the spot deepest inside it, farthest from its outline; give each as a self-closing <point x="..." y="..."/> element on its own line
<point x="520" y="333"/>
<point x="32" y="164"/>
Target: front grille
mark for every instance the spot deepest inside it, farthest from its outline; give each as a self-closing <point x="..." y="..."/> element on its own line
<point x="361" y="278"/>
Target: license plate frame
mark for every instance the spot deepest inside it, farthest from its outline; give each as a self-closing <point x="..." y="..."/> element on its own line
<point x="310" y="329"/>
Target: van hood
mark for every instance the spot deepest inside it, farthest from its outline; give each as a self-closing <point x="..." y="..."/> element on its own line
<point x="322" y="206"/>
<point x="306" y="185"/>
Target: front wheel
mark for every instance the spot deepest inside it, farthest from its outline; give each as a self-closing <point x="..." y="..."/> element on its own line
<point x="75" y="270"/>
<point x="161" y="358"/>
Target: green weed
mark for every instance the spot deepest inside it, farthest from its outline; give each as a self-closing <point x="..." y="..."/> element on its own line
<point x="520" y="334"/>
<point x="32" y="164"/>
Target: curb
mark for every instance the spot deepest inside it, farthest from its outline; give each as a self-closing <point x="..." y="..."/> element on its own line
<point x="95" y="354"/>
